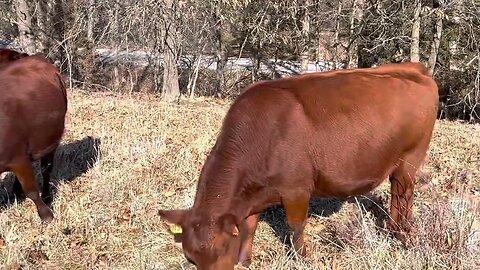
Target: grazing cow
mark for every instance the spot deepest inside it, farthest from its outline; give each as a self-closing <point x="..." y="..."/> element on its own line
<point x="332" y="134"/>
<point x="7" y="55"/>
<point x="33" y="104"/>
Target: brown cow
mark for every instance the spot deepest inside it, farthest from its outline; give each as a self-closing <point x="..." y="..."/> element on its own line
<point x="7" y="56"/>
<point x="332" y="134"/>
<point x="33" y="104"/>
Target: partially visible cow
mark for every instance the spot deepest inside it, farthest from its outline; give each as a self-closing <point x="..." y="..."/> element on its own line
<point x="332" y="134"/>
<point x="33" y="105"/>
<point x="7" y="56"/>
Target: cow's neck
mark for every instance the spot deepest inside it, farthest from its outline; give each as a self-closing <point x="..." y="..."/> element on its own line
<point x="219" y="188"/>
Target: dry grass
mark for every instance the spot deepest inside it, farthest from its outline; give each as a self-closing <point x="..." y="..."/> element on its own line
<point x="143" y="155"/>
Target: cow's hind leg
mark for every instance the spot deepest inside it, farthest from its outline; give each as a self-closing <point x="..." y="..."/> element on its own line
<point x="248" y="228"/>
<point x="296" y="209"/>
<point x="24" y="171"/>
<point x="46" y="164"/>
<point x="402" y="183"/>
<point x="46" y="167"/>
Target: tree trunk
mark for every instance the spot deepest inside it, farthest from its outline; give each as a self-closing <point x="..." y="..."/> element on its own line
<point x="475" y="113"/>
<point x="336" y="38"/>
<point x="116" y="40"/>
<point x="89" y="56"/>
<point x="456" y="11"/>
<point x="170" y="86"/>
<point x="304" y="55"/>
<point x="43" y="41"/>
<point x="90" y="20"/>
<point x="415" y="46"/>
<point x="355" y="18"/>
<point x="437" y="35"/>
<point x="58" y="27"/>
<point x="453" y="50"/>
<point x="257" y="60"/>
<point x="24" y="24"/>
<point x="193" y="80"/>
<point x="220" y="50"/>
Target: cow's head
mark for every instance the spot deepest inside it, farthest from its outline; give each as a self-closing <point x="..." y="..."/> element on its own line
<point x="211" y="243"/>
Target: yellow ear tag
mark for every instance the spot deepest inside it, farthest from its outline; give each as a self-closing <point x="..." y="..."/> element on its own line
<point x="175" y="229"/>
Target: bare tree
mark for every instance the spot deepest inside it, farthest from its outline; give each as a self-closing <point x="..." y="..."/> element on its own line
<point x="170" y="87"/>
<point x="415" y="45"/>
<point x="24" y="23"/>
<point x="220" y="47"/>
<point x="305" y="55"/>
<point x="356" y="17"/>
<point x="41" y="13"/>
<point x="437" y="35"/>
<point x="336" y="39"/>
<point x="90" y="20"/>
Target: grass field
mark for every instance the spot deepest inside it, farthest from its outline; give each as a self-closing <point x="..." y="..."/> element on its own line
<point x="125" y="157"/>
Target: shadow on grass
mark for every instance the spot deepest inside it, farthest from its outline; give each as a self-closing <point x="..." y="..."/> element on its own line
<point x="71" y="161"/>
<point x="323" y="207"/>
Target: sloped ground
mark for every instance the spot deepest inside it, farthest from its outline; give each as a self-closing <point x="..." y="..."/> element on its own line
<point x="124" y="157"/>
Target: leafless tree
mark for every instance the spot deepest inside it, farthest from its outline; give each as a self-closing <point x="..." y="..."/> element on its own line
<point x="171" y="47"/>
<point x="415" y="46"/>
<point x="437" y="35"/>
<point x="305" y="53"/>
<point x="24" y="24"/>
<point x="356" y="17"/>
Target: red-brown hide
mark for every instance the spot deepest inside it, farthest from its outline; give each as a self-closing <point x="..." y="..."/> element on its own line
<point x="7" y="56"/>
<point x="332" y="134"/>
<point x="33" y="104"/>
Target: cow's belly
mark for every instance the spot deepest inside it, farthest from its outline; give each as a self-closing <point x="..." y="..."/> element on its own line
<point x="342" y="189"/>
<point x="344" y="184"/>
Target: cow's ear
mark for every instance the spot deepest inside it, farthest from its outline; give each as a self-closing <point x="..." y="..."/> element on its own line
<point x="229" y="224"/>
<point x="173" y="216"/>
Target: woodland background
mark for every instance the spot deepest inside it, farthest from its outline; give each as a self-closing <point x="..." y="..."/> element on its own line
<point x="214" y="48"/>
